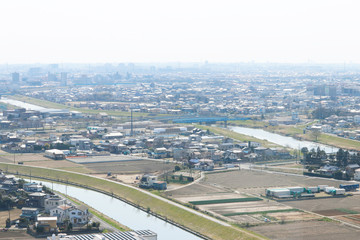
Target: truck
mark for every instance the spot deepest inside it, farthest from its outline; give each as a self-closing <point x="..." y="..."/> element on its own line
<point x="338" y="191"/>
<point x="349" y="187"/>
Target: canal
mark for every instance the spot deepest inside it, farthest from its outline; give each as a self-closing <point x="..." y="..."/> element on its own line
<point x="123" y="212"/>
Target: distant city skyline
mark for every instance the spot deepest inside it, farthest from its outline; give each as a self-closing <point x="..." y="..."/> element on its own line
<point x="139" y="31"/>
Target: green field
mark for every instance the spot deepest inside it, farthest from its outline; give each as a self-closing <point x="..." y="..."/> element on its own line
<point x="230" y="200"/>
<point x="197" y="223"/>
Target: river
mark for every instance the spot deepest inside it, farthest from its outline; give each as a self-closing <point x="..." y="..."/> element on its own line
<point x="21" y="104"/>
<point x="123" y="212"/>
<point x="282" y="140"/>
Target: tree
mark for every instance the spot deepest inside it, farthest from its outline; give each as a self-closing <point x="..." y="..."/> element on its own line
<point x="177" y="168"/>
<point x="315" y="133"/>
<point x="338" y="175"/>
<point x="304" y="152"/>
<point x="342" y="158"/>
<point x="8" y="223"/>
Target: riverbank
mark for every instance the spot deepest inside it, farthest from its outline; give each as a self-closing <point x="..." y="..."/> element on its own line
<point x="297" y="133"/>
<point x="171" y="212"/>
<point x="48" y="104"/>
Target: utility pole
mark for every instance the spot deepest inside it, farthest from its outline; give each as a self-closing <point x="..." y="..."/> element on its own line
<point x="131" y="119"/>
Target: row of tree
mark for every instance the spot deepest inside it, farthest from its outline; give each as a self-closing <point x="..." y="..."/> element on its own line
<point x="341" y="159"/>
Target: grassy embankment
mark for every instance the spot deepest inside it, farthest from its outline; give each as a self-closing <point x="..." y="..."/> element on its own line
<point x="236" y="136"/>
<point x="297" y="132"/>
<point x="6" y="106"/>
<point x="48" y="104"/>
<point x="202" y="225"/>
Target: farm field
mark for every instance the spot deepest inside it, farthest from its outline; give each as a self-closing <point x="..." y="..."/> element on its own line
<point x="309" y="230"/>
<point x="4" y="214"/>
<point x="255" y="182"/>
<point x="197" y="190"/>
<point x="327" y="206"/>
<point x="130" y="167"/>
<point x="270" y="217"/>
<point x="15" y="235"/>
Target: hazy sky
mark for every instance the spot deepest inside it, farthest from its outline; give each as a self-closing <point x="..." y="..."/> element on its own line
<point x="55" y="31"/>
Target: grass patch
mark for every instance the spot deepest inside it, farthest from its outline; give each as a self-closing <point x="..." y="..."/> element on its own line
<point x="261" y="212"/>
<point x="230" y="200"/>
<point x="326" y="219"/>
<point x="193" y="221"/>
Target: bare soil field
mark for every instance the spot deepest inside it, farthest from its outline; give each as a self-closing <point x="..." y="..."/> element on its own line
<point x="16" y="235"/>
<point x="241" y="207"/>
<point x="293" y="216"/>
<point x="196" y="189"/>
<point x="130" y="167"/>
<point x="332" y="212"/>
<point x="244" y="179"/>
<point x="38" y="160"/>
<point x="255" y="182"/>
<point x="352" y="219"/>
<point x="309" y="230"/>
<point x="23" y="157"/>
<point x="125" y="178"/>
<point x="315" y="205"/>
<point x="4" y="214"/>
<point x="246" y="219"/>
<point x="214" y="196"/>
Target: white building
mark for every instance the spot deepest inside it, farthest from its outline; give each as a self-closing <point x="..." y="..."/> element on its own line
<point x="77" y="215"/>
<point x="204" y="165"/>
<point x="53" y="202"/>
<point x="357" y="175"/>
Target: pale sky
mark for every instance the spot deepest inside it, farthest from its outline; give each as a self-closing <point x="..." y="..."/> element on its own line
<point x="58" y="31"/>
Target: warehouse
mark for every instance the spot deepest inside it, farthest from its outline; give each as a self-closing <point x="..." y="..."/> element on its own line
<point x="54" y="154"/>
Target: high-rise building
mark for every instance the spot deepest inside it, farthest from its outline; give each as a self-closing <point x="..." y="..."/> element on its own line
<point x="15" y="77"/>
<point x="63" y="78"/>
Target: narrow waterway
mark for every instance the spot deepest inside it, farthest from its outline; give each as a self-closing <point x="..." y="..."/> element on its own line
<point x="123" y="212"/>
<point x="282" y="140"/>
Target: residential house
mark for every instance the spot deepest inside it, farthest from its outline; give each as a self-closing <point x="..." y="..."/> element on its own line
<point x="32" y="187"/>
<point x="350" y="169"/>
<point x="47" y="223"/>
<point x="79" y="215"/>
<point x="53" y="202"/>
<point x="36" y="200"/>
<point x="29" y="213"/>
<point x="61" y="212"/>
<point x="204" y="165"/>
<point x="328" y="170"/>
